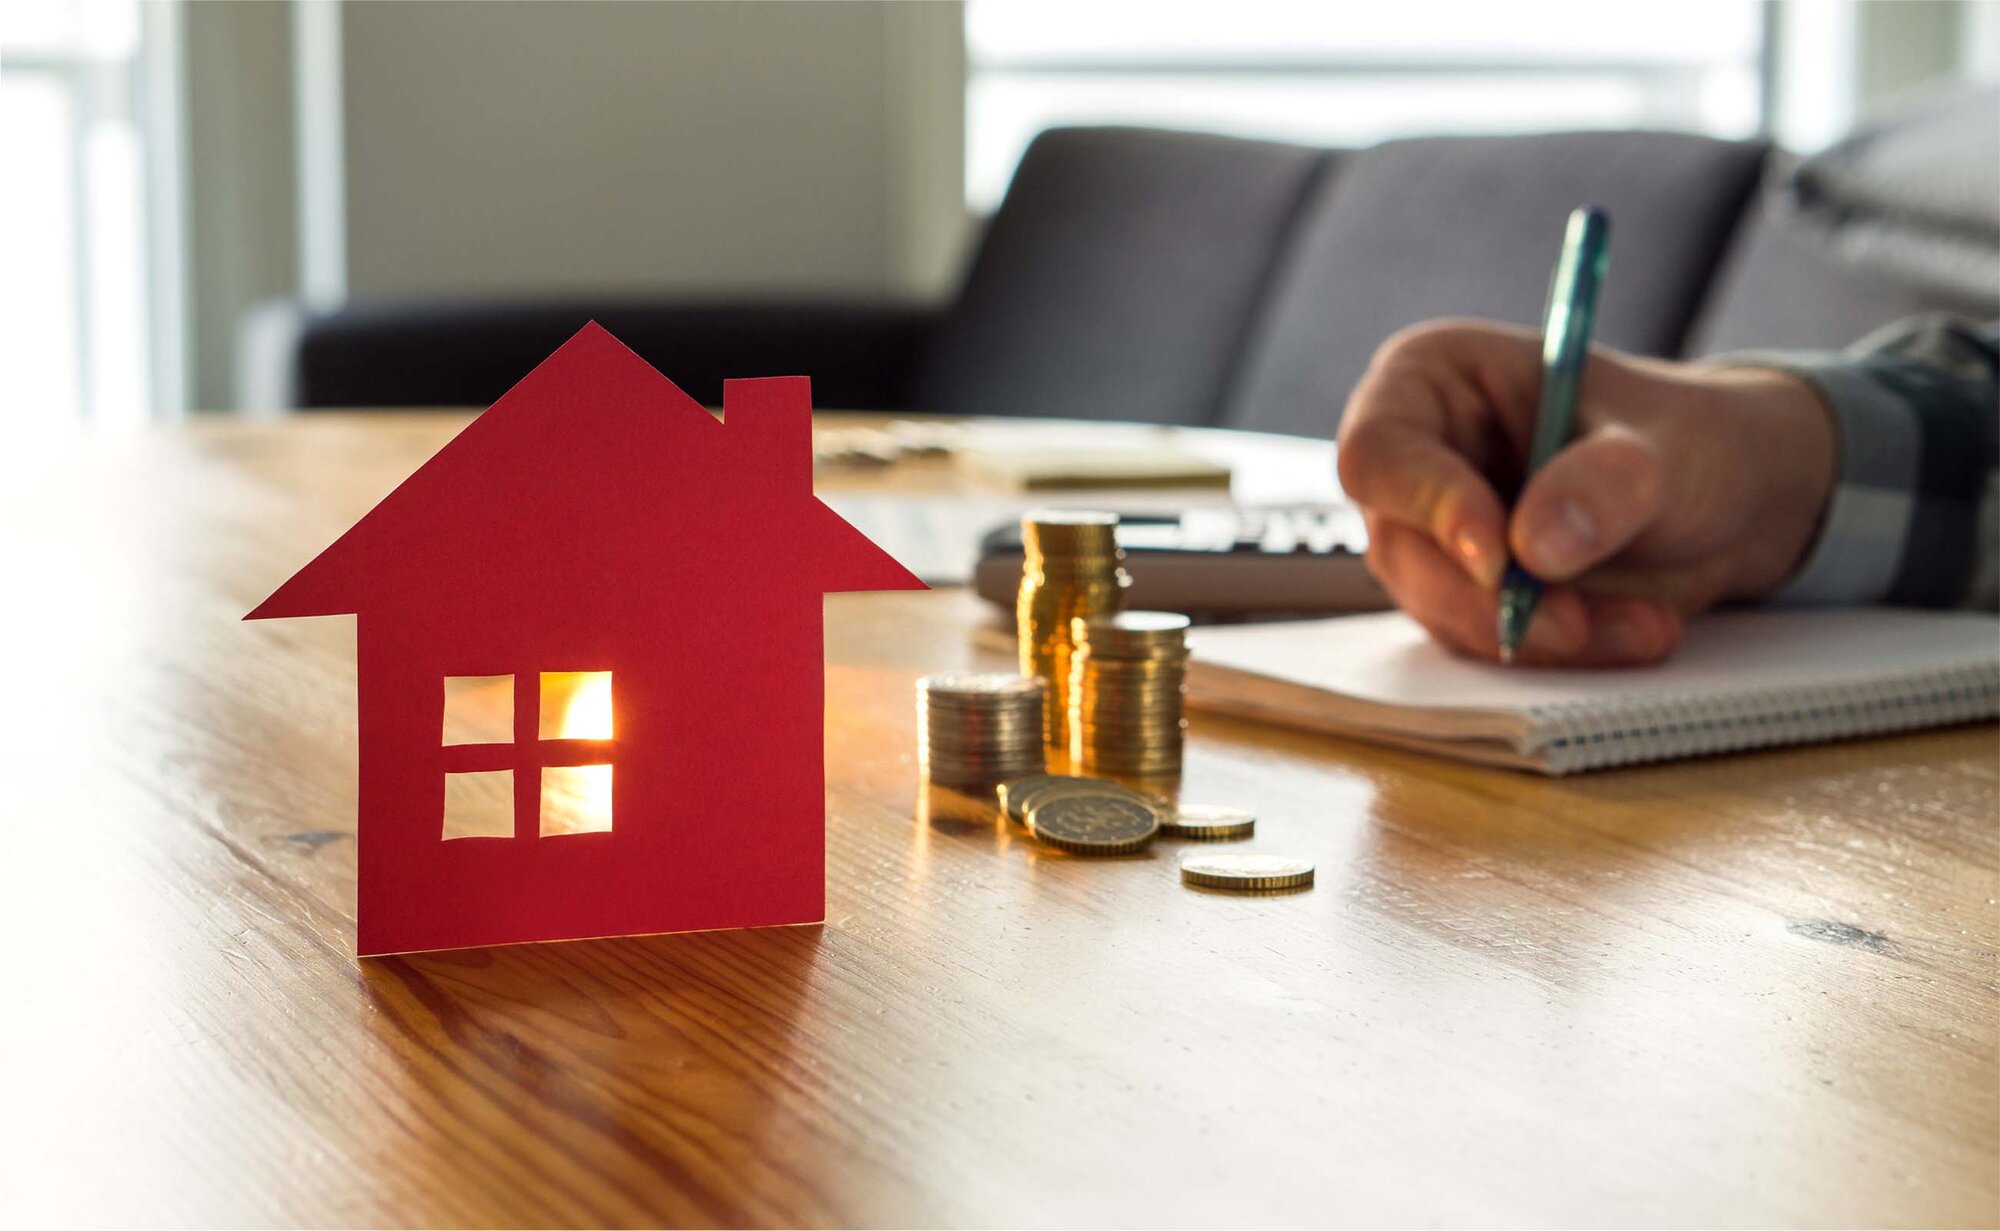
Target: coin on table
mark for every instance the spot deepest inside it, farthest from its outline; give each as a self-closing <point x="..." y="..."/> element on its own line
<point x="1019" y="796"/>
<point x="1246" y="872"/>
<point x="1207" y="823"/>
<point x="1014" y="793"/>
<point x="1095" y="824"/>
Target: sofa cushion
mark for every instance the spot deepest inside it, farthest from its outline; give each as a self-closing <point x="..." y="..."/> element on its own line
<point x="1117" y="277"/>
<point x="1788" y="287"/>
<point x="1900" y="218"/>
<point x="1433" y="227"/>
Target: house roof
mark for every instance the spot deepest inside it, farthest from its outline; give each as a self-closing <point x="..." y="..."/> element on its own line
<point x="595" y="464"/>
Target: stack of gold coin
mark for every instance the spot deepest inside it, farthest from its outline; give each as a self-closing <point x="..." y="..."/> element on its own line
<point x="977" y="729"/>
<point x="1073" y="568"/>
<point x="1127" y="674"/>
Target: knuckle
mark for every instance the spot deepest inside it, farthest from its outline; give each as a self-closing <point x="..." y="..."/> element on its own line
<point x="1421" y="339"/>
<point x="1359" y="443"/>
<point x="1427" y="341"/>
<point x="1382" y="571"/>
<point x="1382" y="555"/>
<point x="1616" y="478"/>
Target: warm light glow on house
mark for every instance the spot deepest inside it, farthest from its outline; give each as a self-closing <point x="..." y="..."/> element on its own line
<point x="576" y="799"/>
<point x="576" y="705"/>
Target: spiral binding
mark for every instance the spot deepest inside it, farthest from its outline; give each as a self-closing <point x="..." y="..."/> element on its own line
<point x="1582" y="735"/>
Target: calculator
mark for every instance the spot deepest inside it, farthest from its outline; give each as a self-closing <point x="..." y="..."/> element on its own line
<point x="1240" y="561"/>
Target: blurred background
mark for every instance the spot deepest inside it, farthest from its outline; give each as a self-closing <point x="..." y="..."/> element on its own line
<point x="240" y="207"/>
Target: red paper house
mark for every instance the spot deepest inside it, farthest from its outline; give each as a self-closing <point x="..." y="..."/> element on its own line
<point x="624" y="593"/>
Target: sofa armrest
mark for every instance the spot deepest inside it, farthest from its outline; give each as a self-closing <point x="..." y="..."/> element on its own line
<point x="858" y="354"/>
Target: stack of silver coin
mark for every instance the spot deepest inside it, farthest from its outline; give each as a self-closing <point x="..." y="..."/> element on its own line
<point x="976" y="729"/>
<point x="1127" y="675"/>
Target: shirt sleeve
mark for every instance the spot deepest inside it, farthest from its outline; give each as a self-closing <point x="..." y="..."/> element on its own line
<point x="1912" y="520"/>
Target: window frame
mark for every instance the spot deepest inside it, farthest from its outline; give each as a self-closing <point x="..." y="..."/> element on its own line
<point x="527" y="754"/>
<point x="1671" y="84"/>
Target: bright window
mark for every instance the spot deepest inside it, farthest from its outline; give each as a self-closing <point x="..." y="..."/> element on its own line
<point x="576" y="705"/>
<point x="73" y="252"/>
<point x="569" y="760"/>
<point x="478" y="709"/>
<point x="575" y="799"/>
<point x="479" y="804"/>
<point x="1351" y="75"/>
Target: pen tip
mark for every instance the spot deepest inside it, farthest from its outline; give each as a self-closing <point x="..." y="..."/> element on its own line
<point x="1506" y="655"/>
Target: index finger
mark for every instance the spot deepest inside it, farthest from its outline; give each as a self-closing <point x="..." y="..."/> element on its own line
<point x="1438" y="403"/>
<point x="1409" y="475"/>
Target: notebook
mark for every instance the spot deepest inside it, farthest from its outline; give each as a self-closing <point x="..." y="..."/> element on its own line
<point x="1130" y="465"/>
<point x="1742" y="679"/>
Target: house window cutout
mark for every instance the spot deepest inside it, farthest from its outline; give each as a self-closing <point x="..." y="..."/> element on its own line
<point x="576" y="705"/>
<point x="575" y="799"/>
<point x="478" y="709"/>
<point x="479" y="804"/>
<point x="572" y="723"/>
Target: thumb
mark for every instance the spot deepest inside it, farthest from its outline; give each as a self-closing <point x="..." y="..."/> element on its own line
<point x="1586" y="504"/>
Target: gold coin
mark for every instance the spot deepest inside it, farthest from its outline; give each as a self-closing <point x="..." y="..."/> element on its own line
<point x="1012" y="793"/>
<point x="1246" y="872"/>
<point x="1142" y="623"/>
<point x="1094" y="824"/>
<point x="1023" y="795"/>
<point x="1060" y="520"/>
<point x="1136" y="634"/>
<point x="1207" y="823"/>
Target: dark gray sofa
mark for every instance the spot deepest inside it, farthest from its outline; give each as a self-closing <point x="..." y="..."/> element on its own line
<point x="1178" y="278"/>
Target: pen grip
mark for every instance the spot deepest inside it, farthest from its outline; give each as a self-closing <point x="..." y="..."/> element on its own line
<point x="1566" y="331"/>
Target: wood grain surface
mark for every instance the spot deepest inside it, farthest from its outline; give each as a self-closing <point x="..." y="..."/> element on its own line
<point x="1751" y="990"/>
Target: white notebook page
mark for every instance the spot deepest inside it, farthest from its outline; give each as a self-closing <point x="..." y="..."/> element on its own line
<point x="1387" y="659"/>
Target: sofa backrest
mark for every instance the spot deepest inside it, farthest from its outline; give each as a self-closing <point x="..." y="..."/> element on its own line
<point x="1433" y="227"/>
<point x="1118" y="277"/>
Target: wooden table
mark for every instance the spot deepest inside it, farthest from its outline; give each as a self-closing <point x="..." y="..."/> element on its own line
<point x="1749" y="990"/>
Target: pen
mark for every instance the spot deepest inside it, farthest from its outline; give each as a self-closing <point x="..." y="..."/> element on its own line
<point x="1566" y="328"/>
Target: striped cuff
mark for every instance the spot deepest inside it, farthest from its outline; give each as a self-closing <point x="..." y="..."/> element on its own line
<point x="1859" y="552"/>
<point x="1914" y="414"/>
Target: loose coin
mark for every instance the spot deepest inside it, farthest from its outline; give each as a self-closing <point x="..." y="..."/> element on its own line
<point x="1095" y="824"/>
<point x="1022" y="795"/>
<point x="1011" y="793"/>
<point x="1245" y="872"/>
<point x="1207" y="823"/>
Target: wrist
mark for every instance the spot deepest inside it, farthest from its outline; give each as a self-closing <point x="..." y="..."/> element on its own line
<point x="1793" y="451"/>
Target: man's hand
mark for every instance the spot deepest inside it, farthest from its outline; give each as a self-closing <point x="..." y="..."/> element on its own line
<point x="1684" y="486"/>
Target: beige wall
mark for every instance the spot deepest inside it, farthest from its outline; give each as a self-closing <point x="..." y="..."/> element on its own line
<point x="1907" y="45"/>
<point x="238" y="218"/>
<point x="734" y="148"/>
